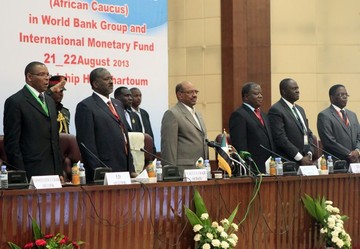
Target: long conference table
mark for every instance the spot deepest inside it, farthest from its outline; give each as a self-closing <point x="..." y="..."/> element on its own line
<point x="152" y="215"/>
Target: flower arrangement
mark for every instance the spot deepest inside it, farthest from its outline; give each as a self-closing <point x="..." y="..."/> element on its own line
<point x="210" y="234"/>
<point x="332" y="223"/>
<point x="49" y="241"/>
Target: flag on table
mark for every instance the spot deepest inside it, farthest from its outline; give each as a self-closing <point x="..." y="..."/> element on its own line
<point x="223" y="157"/>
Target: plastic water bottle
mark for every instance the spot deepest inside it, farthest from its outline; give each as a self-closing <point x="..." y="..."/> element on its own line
<point x="4" y="177"/>
<point x="330" y="164"/>
<point x="159" y="173"/>
<point x="82" y="174"/>
<point x="208" y="169"/>
<point x="279" y="166"/>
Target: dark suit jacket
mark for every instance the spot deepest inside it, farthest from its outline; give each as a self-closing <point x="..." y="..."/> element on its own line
<point x="145" y="117"/>
<point x="337" y="138"/>
<point x="31" y="137"/>
<point x="101" y="133"/>
<point x="247" y="133"/>
<point x="287" y="132"/>
<point x="135" y="122"/>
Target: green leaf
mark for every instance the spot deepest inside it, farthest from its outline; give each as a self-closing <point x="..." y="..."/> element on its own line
<point x="13" y="246"/>
<point x="233" y="214"/>
<point x="36" y="230"/>
<point x="200" y="207"/>
<point x="192" y="217"/>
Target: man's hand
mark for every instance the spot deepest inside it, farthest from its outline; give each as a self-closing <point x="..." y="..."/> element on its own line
<point x="353" y="156"/>
<point x="58" y="87"/>
<point x="306" y="160"/>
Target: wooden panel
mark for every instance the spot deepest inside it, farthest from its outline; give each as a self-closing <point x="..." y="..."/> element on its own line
<point x="152" y="216"/>
<point x="245" y="51"/>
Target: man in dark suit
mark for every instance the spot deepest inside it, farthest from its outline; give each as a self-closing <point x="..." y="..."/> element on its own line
<point x="99" y="126"/>
<point x="338" y="128"/>
<point x="132" y="121"/>
<point x="183" y="131"/>
<point x="249" y="127"/>
<point x="142" y="114"/>
<point x="31" y="137"/>
<point x="289" y="126"/>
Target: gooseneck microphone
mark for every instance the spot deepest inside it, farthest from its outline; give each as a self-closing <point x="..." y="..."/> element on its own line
<point x="283" y="158"/>
<point x="157" y="157"/>
<point x="324" y="151"/>
<point x="240" y="160"/>
<point x="94" y="156"/>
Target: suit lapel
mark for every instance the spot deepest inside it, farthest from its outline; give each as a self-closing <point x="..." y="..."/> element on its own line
<point x="291" y="115"/>
<point x="254" y="117"/>
<point x="189" y="116"/>
<point x="338" y="118"/>
<point x="31" y="99"/>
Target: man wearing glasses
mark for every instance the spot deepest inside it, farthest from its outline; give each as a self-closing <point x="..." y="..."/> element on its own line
<point x="31" y="137"/>
<point x="338" y="127"/>
<point x="183" y="131"/>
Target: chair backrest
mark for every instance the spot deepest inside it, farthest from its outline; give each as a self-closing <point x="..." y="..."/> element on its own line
<point x="138" y="141"/>
<point x="70" y="152"/>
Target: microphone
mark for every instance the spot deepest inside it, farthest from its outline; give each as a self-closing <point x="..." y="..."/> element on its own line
<point x="94" y="156"/>
<point x="212" y="144"/>
<point x="240" y="162"/>
<point x="283" y="158"/>
<point x="324" y="151"/>
<point x="152" y="154"/>
<point x="170" y="171"/>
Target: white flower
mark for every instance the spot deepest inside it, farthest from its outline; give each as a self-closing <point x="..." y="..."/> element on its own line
<point x="234" y="237"/>
<point x="235" y="226"/>
<point x="214" y="224"/>
<point x="204" y="216"/>
<point x="328" y="202"/>
<point x="224" y="221"/>
<point x="210" y="235"/>
<point x="197" y="228"/>
<point x="206" y="246"/>
<point x="215" y="242"/>
<point x="336" y="210"/>
<point x="224" y="244"/>
<point x="323" y="230"/>
<point x="197" y="237"/>
<point x="232" y="242"/>
<point x="340" y="243"/>
<point x="224" y="235"/>
<point x="329" y="208"/>
<point x="220" y="229"/>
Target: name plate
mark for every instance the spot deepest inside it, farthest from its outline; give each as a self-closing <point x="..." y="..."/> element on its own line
<point x="308" y="170"/>
<point x="354" y="168"/>
<point x="195" y="175"/>
<point x="117" y="178"/>
<point x="45" y="182"/>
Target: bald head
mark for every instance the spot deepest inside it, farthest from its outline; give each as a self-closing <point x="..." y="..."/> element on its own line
<point x="186" y="93"/>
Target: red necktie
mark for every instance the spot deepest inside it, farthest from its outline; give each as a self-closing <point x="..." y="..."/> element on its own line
<point x="344" y="117"/>
<point x="113" y="111"/>
<point x="258" y="115"/>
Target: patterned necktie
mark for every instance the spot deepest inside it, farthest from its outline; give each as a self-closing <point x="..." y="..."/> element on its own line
<point x="258" y="115"/>
<point x="298" y="119"/>
<point x="344" y="117"/>
<point x="41" y="97"/>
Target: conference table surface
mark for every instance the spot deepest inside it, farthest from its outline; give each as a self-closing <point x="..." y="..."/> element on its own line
<point x="152" y="215"/>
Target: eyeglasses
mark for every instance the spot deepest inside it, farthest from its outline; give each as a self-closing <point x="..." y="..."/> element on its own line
<point x="191" y="92"/>
<point x="342" y="95"/>
<point x="42" y="74"/>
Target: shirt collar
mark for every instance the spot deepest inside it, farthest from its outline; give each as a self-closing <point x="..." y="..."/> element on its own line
<point x="106" y="100"/>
